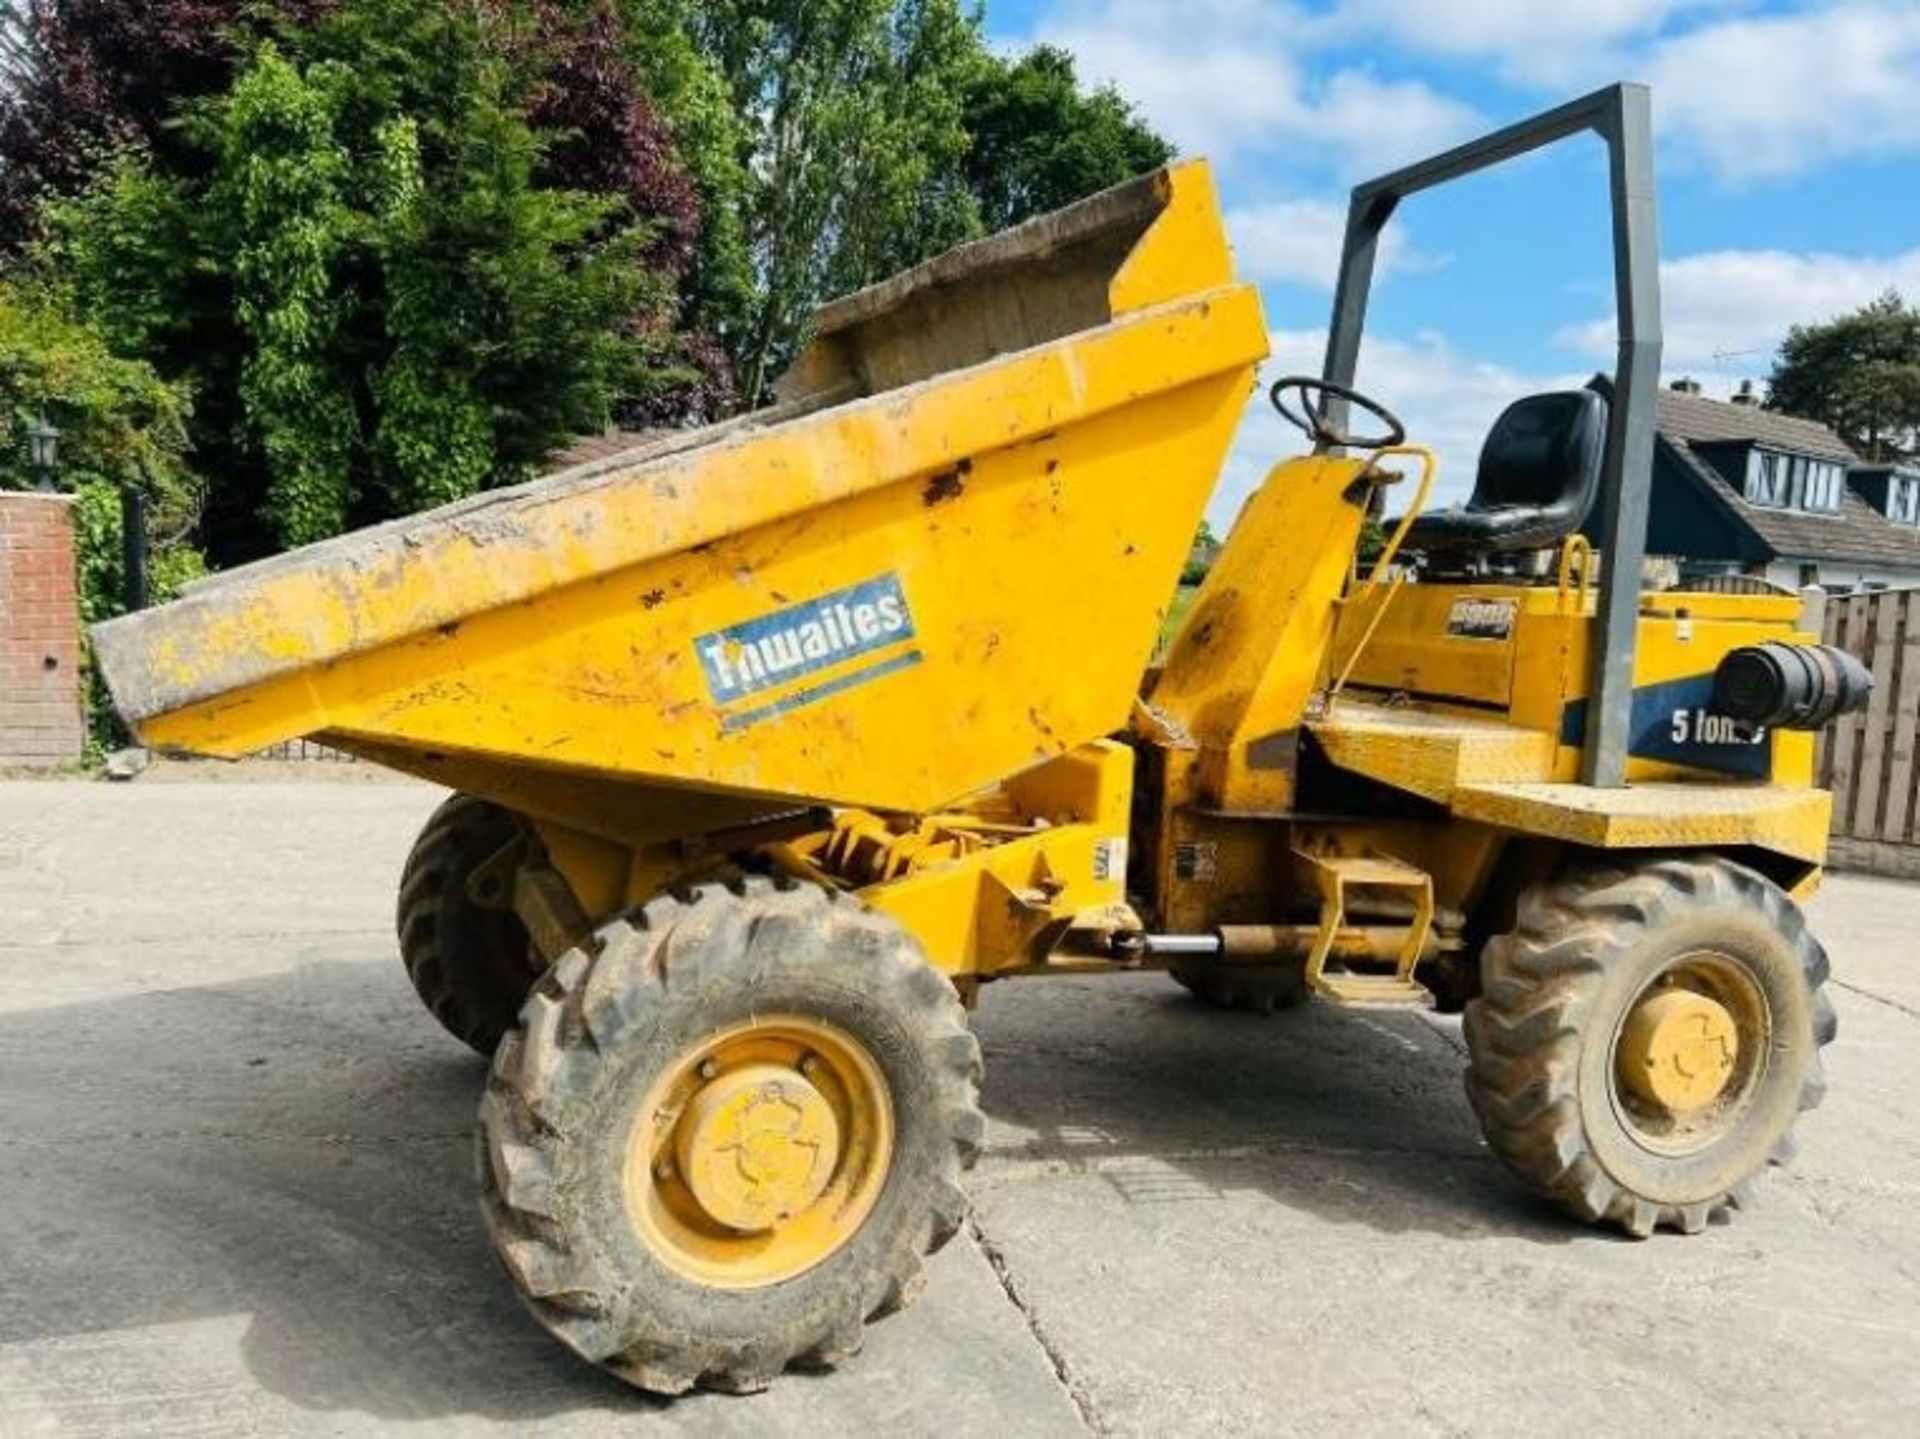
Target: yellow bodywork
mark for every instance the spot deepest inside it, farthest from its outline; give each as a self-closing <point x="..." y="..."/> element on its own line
<point x="890" y="636"/>
<point x="940" y="562"/>
<point x="563" y="625"/>
<point x="1491" y="727"/>
<point x="1239" y="674"/>
<point x="1465" y="697"/>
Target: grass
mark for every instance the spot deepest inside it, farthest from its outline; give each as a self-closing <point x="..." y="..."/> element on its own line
<point x="1176" y="614"/>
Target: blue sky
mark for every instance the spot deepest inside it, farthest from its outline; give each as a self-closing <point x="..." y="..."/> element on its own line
<point x="1788" y="152"/>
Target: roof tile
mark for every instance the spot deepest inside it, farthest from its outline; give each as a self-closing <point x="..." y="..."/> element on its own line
<point x="1701" y="421"/>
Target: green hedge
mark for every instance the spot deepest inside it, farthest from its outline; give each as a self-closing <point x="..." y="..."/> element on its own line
<point x="120" y="426"/>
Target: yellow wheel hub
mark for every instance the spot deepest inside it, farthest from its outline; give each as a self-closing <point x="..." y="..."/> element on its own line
<point x="1679" y="1049"/>
<point x="757" y="1146"/>
<point x="759" y="1151"/>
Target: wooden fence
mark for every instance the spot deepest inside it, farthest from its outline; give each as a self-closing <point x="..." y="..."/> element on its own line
<point x="1867" y="759"/>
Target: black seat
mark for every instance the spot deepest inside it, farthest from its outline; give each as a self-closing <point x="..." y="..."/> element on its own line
<point x="1539" y="474"/>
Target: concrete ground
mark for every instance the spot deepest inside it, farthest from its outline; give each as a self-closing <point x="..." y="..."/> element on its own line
<point x="235" y="1194"/>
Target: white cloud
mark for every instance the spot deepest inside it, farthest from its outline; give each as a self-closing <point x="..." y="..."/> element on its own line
<point x="1772" y="96"/>
<point x="1219" y="76"/>
<point x="1377" y="124"/>
<point x="1533" y="42"/>
<point x="1726" y="311"/>
<point x="1300" y="241"/>
<point x="1448" y="400"/>
<point x="1750" y="95"/>
<point x="1747" y="93"/>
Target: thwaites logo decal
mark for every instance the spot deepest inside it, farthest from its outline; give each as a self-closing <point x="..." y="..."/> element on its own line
<point x="1481" y="619"/>
<point x="771" y="651"/>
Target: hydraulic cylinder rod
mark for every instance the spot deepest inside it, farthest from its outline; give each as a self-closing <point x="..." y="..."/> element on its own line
<point x="1264" y="943"/>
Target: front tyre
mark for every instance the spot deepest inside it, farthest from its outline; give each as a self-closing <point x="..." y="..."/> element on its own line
<point x="722" y="1143"/>
<point x="1646" y="1038"/>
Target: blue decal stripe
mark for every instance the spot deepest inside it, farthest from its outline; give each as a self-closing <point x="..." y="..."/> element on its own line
<point x="1650" y="729"/>
<point x="742" y="718"/>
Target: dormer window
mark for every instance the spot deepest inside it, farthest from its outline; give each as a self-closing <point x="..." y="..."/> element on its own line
<point x="1768" y="482"/>
<point x="1820" y="488"/>
<point x="1783" y="481"/>
<point x="1903" y="497"/>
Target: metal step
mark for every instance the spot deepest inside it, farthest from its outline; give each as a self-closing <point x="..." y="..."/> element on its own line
<point x="1374" y="991"/>
<point x="1377" y="871"/>
<point x="1334" y="876"/>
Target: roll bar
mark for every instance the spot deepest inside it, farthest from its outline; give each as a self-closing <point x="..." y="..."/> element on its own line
<point x="1622" y="116"/>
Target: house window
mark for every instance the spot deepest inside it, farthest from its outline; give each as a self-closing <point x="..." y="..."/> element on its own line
<point x="1794" y="481"/>
<point x="1820" y="487"/>
<point x="1903" y="499"/>
<point x="1768" y="480"/>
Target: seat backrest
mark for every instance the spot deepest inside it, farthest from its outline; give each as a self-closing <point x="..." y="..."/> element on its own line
<point x="1539" y="475"/>
<point x="1542" y="450"/>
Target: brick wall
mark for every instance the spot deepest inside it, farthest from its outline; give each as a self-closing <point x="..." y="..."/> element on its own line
<point x="40" y="716"/>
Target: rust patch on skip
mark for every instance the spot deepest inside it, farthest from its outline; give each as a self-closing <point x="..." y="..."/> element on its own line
<point x="653" y="599"/>
<point x="947" y="484"/>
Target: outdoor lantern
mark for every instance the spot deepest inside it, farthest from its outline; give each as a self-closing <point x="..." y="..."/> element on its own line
<point x="43" y="449"/>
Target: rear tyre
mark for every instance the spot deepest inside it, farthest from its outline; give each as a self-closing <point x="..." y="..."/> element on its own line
<point x="1260" y="989"/>
<point x="725" y="1141"/>
<point x="1646" y="1039"/>
<point x="471" y="965"/>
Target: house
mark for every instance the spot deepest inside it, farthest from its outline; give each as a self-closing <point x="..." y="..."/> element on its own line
<point x="1741" y="490"/>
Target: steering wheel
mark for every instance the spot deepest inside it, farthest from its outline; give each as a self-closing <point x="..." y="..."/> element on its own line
<point x="1312" y="422"/>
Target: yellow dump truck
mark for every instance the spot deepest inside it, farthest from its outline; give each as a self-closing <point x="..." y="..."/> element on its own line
<point x="771" y="743"/>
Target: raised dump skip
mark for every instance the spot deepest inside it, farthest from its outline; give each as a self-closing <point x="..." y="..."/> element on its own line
<point x="940" y="558"/>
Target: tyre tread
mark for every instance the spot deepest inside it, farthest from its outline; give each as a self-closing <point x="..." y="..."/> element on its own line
<point x="573" y="1020"/>
<point x="1523" y="1032"/>
<point x="452" y="993"/>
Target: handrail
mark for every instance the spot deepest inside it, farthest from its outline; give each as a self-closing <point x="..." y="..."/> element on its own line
<point x="1429" y="467"/>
